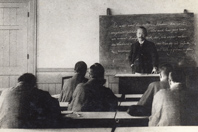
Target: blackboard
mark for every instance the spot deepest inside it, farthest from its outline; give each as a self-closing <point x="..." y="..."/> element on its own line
<point x="173" y="35"/>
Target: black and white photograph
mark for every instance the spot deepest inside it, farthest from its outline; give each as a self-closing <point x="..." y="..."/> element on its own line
<point x="98" y="65"/>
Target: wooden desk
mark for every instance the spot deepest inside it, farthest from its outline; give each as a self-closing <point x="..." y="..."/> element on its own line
<point x="89" y="119"/>
<point x="128" y="97"/>
<point x="158" y="129"/>
<point x="123" y="119"/>
<point x="56" y="96"/>
<point x="135" y="83"/>
<point x="125" y="115"/>
<point x="117" y="129"/>
<point x="63" y="105"/>
<point x="103" y="119"/>
<point x="91" y="115"/>
<point x="128" y="103"/>
<point x="124" y="105"/>
<point x="60" y="130"/>
<point x="132" y="97"/>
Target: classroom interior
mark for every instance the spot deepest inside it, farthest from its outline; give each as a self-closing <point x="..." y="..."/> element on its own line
<point x="63" y="32"/>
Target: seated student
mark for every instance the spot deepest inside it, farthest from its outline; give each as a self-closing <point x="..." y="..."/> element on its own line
<point x="70" y="84"/>
<point x="189" y="66"/>
<point x="93" y="96"/>
<point x="25" y="106"/>
<point x="175" y="106"/>
<point x="145" y="103"/>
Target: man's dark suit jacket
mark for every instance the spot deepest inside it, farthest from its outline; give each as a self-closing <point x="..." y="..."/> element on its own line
<point x="143" y="57"/>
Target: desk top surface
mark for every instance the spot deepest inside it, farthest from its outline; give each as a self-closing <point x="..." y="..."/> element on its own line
<point x="91" y="115"/>
<point x="63" y="104"/>
<point x="121" y="103"/>
<point x="128" y="103"/>
<point x="125" y="115"/>
<point x="101" y="115"/>
<point x="137" y="75"/>
<point x="60" y="130"/>
<point x="118" y="129"/>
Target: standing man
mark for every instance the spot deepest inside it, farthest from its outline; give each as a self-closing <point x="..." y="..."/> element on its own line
<point x="143" y="57"/>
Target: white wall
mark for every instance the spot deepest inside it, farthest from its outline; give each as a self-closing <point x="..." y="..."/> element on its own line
<point x="68" y="30"/>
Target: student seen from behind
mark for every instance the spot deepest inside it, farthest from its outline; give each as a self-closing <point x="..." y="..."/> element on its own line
<point x="92" y="95"/>
<point x="70" y="84"/>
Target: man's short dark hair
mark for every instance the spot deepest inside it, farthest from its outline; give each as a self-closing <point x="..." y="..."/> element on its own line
<point x="80" y="67"/>
<point x="166" y="68"/>
<point x="97" y="71"/>
<point x="28" y="78"/>
<point x="177" y="75"/>
<point x="143" y="28"/>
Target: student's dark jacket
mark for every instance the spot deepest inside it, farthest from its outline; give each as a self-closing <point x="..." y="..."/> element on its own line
<point x="25" y="106"/>
<point x="93" y="96"/>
